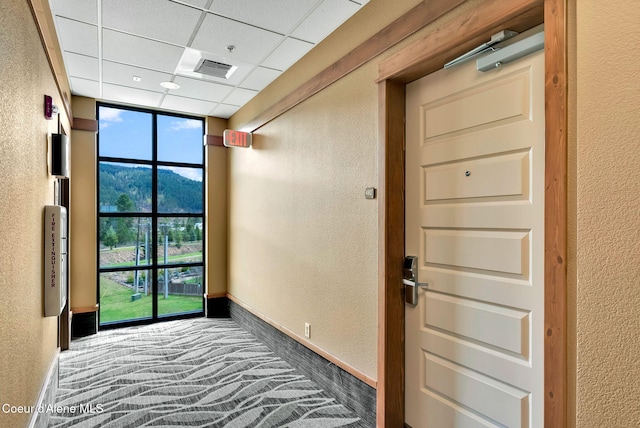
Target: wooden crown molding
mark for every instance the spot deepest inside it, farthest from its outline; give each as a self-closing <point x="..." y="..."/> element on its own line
<point x="416" y="18"/>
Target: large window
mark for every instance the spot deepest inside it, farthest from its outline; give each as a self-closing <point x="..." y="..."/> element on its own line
<point x="150" y="215"/>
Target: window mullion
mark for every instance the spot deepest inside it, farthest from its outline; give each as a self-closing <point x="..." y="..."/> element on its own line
<point x="154" y="210"/>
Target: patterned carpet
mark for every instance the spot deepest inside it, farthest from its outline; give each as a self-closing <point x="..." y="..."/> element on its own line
<point x="198" y="372"/>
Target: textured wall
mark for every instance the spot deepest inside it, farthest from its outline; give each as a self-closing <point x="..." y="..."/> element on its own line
<point x="83" y="206"/>
<point x="303" y="240"/>
<point x="216" y="200"/>
<point x="28" y="340"/>
<point x="608" y="214"/>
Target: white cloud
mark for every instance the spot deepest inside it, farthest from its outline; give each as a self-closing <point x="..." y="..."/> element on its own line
<point x="109" y="115"/>
<point x="190" y="173"/>
<point x="178" y="125"/>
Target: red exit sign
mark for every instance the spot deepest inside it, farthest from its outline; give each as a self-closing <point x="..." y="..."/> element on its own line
<point x="231" y="138"/>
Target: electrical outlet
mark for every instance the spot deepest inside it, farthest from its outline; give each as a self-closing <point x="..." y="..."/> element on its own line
<point x="307" y="330"/>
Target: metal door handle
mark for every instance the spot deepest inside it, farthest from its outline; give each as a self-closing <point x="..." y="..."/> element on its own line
<point x="409" y="276"/>
<point x="410" y="283"/>
<point x="411" y="290"/>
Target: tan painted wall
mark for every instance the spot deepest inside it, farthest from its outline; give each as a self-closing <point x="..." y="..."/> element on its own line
<point x="606" y="150"/>
<point x="28" y="339"/>
<point x="302" y="238"/>
<point x="216" y="202"/>
<point x="83" y="205"/>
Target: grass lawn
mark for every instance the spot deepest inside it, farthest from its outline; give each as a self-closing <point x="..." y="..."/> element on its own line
<point x="188" y="257"/>
<point x="116" y="304"/>
<point x="197" y="257"/>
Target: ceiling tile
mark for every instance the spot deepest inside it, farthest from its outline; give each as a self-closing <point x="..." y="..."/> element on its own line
<point x="120" y="74"/>
<point x="147" y="38"/>
<point x="130" y="95"/>
<point x="325" y="19"/>
<point x="80" y="10"/>
<point x="280" y="16"/>
<point x="224" y="111"/>
<point x="251" y="44"/>
<point x="199" y="89"/>
<point x="77" y="37"/>
<point x="260" y="78"/>
<point x="240" y="96"/>
<point x="156" y="19"/>
<point x="85" y="88"/>
<point x="189" y="105"/>
<point x="127" y="49"/>
<point x="285" y="55"/>
<point x="82" y="66"/>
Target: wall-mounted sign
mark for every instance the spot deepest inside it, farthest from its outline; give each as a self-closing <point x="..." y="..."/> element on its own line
<point x="233" y="138"/>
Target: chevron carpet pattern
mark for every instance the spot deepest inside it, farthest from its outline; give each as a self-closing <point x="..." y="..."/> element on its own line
<point x="197" y="372"/>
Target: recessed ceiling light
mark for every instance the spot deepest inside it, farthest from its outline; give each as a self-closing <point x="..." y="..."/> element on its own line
<point x="170" y="85"/>
<point x="137" y="79"/>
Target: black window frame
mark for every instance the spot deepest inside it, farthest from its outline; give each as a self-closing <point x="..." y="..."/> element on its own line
<point x="154" y="267"/>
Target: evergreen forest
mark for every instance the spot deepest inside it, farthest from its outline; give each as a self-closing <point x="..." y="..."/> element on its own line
<point x="176" y="194"/>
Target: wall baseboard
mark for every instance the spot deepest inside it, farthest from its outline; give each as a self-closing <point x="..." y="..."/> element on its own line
<point x="84" y="324"/>
<point x="217" y="307"/>
<point x="47" y="395"/>
<point x="350" y="391"/>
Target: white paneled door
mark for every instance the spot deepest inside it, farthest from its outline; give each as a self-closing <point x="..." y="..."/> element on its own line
<point x="475" y="220"/>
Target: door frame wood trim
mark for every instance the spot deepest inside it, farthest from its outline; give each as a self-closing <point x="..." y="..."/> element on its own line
<point x="555" y="216"/>
<point x="390" y="394"/>
<point x="395" y="72"/>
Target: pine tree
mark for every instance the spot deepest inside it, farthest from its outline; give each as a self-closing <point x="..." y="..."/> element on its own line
<point x="110" y="238"/>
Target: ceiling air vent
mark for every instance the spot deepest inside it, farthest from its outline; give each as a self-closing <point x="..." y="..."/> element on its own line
<point x="214" y="68"/>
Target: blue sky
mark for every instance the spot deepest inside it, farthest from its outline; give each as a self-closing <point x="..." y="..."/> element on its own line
<point x="128" y="134"/>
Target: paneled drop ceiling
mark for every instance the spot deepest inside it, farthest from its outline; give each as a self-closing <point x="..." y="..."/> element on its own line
<point x="121" y="50"/>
